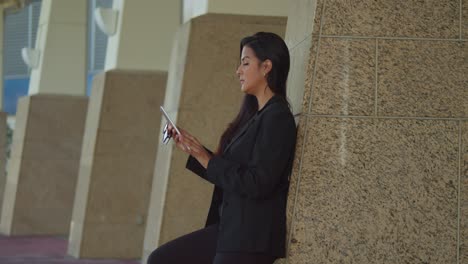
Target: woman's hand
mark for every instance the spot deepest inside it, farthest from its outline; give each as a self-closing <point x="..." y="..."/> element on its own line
<point x="190" y="145"/>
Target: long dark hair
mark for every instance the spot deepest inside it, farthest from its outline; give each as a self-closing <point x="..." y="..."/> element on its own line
<point x="266" y="46"/>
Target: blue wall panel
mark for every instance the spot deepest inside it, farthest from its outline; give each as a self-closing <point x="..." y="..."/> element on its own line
<point x="13" y="89"/>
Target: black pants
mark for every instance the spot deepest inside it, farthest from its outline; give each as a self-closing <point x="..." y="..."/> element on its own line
<point x="199" y="247"/>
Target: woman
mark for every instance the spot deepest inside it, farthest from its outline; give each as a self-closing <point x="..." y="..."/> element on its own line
<point x="250" y="170"/>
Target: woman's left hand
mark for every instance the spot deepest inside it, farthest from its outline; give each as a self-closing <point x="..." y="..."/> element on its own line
<point x="193" y="147"/>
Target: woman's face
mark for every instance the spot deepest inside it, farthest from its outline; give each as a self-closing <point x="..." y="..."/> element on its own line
<point x="251" y="72"/>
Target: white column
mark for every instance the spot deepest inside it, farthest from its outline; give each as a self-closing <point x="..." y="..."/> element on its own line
<point x="144" y="35"/>
<point x="61" y="43"/>
<point x="194" y="8"/>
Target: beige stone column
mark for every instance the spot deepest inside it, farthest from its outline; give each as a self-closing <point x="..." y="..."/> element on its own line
<point x="381" y="163"/>
<point x="43" y="166"/>
<point x="203" y="96"/>
<point x="122" y="132"/>
<point x="45" y="153"/>
<point x="117" y="161"/>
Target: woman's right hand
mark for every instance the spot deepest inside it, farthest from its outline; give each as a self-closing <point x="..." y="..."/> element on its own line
<point x="177" y="139"/>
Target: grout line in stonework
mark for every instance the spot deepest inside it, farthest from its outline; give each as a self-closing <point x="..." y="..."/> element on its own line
<point x="393" y="38"/>
<point x="376" y="75"/>
<point x="386" y="117"/>
<point x="459" y="188"/>
<point x="461" y="17"/>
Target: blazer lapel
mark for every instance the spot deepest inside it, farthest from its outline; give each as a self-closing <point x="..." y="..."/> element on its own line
<point x="273" y="100"/>
<point x="241" y="132"/>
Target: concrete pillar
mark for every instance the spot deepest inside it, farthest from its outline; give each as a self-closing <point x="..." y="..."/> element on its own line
<point x="117" y="161"/>
<point x="195" y="8"/>
<point x="381" y="161"/>
<point x="203" y="96"/>
<point x="46" y="148"/>
<point x="43" y="166"/>
<point x="61" y="43"/>
<point x="144" y="36"/>
<point x="122" y="133"/>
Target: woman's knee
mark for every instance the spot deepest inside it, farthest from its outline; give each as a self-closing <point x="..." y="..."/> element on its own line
<point x="196" y="247"/>
<point x="157" y="257"/>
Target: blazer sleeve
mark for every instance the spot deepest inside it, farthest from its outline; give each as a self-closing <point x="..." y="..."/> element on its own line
<point x="195" y="166"/>
<point x="271" y="156"/>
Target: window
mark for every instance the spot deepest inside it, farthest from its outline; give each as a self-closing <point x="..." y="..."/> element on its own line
<point x="97" y="43"/>
<point x="20" y="30"/>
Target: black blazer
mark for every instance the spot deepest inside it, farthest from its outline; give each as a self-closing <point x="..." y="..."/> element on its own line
<point x="251" y="180"/>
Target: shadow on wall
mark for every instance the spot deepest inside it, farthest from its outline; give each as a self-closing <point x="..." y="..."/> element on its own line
<point x="8" y="145"/>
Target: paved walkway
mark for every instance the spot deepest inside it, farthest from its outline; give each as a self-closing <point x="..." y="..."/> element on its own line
<point x="43" y="250"/>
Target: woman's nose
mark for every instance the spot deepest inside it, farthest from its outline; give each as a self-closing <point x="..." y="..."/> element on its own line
<point x="238" y="70"/>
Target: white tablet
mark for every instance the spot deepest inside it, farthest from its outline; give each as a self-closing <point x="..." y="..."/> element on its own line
<point x="169" y="119"/>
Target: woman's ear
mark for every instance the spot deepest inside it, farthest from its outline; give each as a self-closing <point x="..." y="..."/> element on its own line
<point x="266" y="67"/>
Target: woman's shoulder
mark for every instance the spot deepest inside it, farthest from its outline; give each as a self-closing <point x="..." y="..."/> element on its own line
<point x="279" y="106"/>
<point x="279" y="112"/>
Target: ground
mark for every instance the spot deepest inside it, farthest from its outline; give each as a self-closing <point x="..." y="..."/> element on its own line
<point x="43" y="250"/>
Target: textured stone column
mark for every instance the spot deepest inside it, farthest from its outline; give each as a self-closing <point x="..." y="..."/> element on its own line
<point x="43" y="166"/>
<point x="47" y="143"/>
<point x="203" y="96"/>
<point x="380" y="171"/>
<point x="117" y="162"/>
